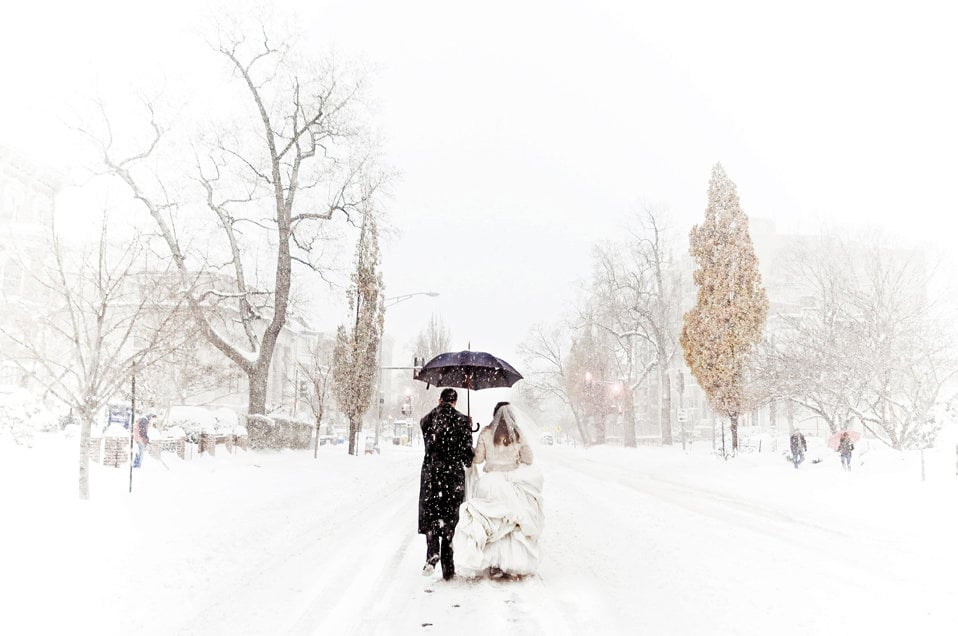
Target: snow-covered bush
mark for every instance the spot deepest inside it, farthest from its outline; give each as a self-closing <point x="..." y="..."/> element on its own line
<point x="260" y="430"/>
<point x="22" y="415"/>
<point x="174" y="432"/>
<point x="277" y="432"/>
<point x="196" y="420"/>
<point x="292" y="433"/>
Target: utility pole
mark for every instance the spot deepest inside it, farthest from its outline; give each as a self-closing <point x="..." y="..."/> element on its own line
<point x="389" y="302"/>
<point x="295" y="386"/>
<point x="683" y="416"/>
<point x="132" y="422"/>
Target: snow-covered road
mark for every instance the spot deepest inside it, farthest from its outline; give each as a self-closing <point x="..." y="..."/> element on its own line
<point x="646" y="541"/>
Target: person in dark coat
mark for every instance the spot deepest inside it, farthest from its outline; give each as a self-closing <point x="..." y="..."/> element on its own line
<point x="447" y="436"/>
<point x="798" y="447"/>
<point x="845" y="448"/>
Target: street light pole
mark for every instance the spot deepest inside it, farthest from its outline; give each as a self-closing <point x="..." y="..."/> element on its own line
<point x="395" y="300"/>
<point x="389" y="302"/>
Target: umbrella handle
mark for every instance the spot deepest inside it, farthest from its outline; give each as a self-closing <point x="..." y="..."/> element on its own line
<point x="469" y="404"/>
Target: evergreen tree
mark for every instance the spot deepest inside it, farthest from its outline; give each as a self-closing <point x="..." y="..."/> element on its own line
<point x="726" y="323"/>
<point x="355" y="354"/>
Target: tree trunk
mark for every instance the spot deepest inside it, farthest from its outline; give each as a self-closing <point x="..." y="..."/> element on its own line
<point x="733" y="426"/>
<point x="629" y="424"/>
<point x="258" y="379"/>
<point x="598" y="421"/>
<point x="582" y="428"/>
<point x="86" y="425"/>
<point x="319" y="423"/>
<point x="355" y="425"/>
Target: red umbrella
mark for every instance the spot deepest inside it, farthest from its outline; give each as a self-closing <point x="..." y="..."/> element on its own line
<point x="834" y="440"/>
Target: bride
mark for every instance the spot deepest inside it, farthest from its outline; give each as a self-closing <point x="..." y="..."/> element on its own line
<point x="500" y="523"/>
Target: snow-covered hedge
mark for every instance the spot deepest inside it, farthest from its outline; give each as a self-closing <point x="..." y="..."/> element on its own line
<point x="196" y="420"/>
<point x="277" y="432"/>
<point x="22" y="415"/>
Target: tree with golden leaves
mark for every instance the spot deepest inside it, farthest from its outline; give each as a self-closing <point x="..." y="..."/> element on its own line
<point x="722" y="329"/>
<point x="356" y="352"/>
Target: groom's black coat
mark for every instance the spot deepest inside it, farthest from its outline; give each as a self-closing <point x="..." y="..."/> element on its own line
<point x="447" y="436"/>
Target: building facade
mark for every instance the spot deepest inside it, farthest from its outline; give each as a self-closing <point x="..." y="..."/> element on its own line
<point x="27" y="199"/>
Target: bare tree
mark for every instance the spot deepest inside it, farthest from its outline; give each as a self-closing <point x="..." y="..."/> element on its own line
<point x="809" y="356"/>
<point x="433" y="339"/>
<point x="319" y="371"/>
<point x="635" y="300"/>
<point x="269" y="183"/>
<point x="902" y="343"/>
<point x="870" y="344"/>
<point x="110" y="320"/>
<point x="414" y="396"/>
<point x="545" y="353"/>
<point x="591" y="367"/>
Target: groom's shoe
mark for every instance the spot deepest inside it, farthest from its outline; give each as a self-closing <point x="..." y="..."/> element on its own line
<point x="430" y="566"/>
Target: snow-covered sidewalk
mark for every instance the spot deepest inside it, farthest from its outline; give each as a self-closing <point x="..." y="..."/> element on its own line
<point x="636" y="541"/>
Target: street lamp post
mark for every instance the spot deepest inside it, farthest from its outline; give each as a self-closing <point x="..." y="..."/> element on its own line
<point x="395" y="300"/>
<point x="389" y="302"/>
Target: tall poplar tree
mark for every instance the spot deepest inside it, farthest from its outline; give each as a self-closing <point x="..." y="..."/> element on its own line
<point x="355" y="354"/>
<point x="726" y="323"/>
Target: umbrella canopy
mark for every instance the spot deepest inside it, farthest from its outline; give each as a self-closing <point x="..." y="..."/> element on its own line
<point x="470" y="370"/>
<point x="474" y="370"/>
<point x="834" y="440"/>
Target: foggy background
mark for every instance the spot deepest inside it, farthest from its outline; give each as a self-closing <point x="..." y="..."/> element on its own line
<point x="522" y="133"/>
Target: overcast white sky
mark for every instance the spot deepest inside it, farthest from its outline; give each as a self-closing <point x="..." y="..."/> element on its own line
<point x="525" y="131"/>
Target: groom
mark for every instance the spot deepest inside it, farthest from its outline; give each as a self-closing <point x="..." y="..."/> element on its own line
<point x="447" y="437"/>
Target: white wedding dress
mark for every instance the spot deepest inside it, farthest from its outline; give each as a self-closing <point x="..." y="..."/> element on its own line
<point x="503" y="516"/>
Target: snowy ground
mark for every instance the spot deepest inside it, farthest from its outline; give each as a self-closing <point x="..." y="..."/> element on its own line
<point x="641" y="541"/>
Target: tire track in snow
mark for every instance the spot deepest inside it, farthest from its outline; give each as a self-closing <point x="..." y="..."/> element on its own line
<point x="755" y="517"/>
<point x="791" y="548"/>
<point x="363" y="556"/>
<point x="296" y="562"/>
<point x="392" y="596"/>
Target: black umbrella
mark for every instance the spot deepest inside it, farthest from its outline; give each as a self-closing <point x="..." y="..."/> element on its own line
<point x="470" y="370"/>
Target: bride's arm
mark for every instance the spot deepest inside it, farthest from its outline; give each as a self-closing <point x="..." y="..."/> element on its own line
<point x="525" y="452"/>
<point x="480" y="455"/>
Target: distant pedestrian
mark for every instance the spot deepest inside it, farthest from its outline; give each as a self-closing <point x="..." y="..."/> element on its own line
<point x="141" y="435"/>
<point x="798" y="447"/>
<point x="845" y="448"/>
<point x="447" y="437"/>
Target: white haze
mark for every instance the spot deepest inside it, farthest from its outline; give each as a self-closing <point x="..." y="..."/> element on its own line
<point x="524" y="132"/>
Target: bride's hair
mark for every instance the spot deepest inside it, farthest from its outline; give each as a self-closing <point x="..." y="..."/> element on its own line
<point x="505" y="431"/>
